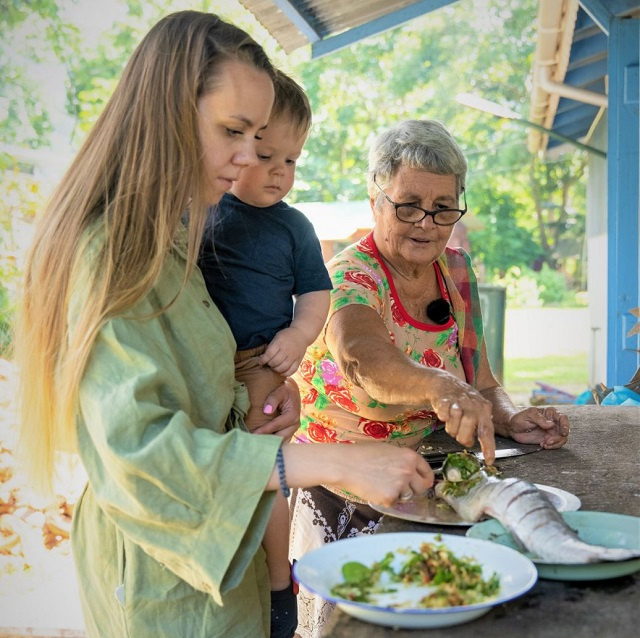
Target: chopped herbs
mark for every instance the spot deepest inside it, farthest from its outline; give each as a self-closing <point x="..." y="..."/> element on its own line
<point x="361" y="581"/>
<point x="451" y="581"/>
<point x="462" y="471"/>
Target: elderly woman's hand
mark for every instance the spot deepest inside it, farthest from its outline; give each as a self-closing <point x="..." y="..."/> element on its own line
<point x="544" y="426"/>
<point x="466" y="413"/>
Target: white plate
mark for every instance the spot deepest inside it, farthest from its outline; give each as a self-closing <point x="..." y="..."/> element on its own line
<point x="562" y="500"/>
<point x="597" y="528"/>
<point x="321" y="569"/>
<point x="436" y="512"/>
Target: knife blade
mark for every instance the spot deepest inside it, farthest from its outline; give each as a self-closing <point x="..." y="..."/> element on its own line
<point x="437" y="458"/>
<point x="509" y="451"/>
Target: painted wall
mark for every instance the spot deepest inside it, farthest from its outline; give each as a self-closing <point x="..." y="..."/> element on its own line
<point x="532" y="333"/>
<point x="597" y="250"/>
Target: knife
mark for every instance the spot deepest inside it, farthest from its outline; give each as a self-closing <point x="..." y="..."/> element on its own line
<point x="437" y="458"/>
<point x="510" y="451"/>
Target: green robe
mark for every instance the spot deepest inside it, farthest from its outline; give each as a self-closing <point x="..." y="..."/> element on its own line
<point x="167" y="535"/>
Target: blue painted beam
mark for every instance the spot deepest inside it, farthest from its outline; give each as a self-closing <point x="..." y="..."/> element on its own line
<point x="565" y="104"/>
<point x="602" y="11"/>
<point x="588" y="50"/>
<point x="577" y="118"/>
<point x="570" y="109"/>
<point x="379" y="25"/>
<point x="597" y="86"/>
<point x="599" y="13"/>
<point x="298" y="19"/>
<point x="620" y="8"/>
<point x="584" y="25"/>
<point x="586" y="74"/>
<point x="623" y="171"/>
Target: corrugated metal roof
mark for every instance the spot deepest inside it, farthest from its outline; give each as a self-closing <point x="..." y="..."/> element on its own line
<point x="296" y="23"/>
<point x="571" y="48"/>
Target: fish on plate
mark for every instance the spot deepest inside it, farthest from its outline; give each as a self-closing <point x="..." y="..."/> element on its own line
<point x="474" y="490"/>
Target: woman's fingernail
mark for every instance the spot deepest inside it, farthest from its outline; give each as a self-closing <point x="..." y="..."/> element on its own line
<point x="268" y="409"/>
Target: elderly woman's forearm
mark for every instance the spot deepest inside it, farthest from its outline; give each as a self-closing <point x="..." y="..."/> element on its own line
<point x="503" y="408"/>
<point x="390" y="379"/>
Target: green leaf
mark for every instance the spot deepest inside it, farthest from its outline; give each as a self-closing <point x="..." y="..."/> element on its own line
<point x="355" y="573"/>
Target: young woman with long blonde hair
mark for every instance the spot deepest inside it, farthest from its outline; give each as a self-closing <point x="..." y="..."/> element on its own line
<point x="125" y="359"/>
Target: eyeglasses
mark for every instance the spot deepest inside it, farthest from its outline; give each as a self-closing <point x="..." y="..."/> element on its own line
<point x="412" y="214"/>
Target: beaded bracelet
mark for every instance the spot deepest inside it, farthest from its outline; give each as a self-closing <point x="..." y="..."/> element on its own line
<point x="283" y="477"/>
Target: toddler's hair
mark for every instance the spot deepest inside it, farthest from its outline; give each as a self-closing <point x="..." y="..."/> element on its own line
<point x="291" y="101"/>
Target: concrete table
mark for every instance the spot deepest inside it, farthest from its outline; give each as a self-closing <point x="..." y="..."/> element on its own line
<point x="601" y="465"/>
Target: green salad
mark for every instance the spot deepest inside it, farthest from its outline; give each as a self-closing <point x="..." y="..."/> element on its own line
<point x="449" y="580"/>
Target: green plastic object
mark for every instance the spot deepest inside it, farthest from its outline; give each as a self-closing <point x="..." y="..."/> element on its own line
<point x="493" y="301"/>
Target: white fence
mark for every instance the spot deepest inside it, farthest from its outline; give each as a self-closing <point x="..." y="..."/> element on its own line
<point x="540" y="332"/>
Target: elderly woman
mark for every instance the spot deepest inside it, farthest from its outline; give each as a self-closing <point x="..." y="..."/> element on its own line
<point x="402" y="349"/>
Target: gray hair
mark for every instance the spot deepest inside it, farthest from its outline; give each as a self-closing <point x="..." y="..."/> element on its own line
<point x="424" y="145"/>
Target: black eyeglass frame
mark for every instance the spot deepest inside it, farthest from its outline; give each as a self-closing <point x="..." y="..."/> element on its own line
<point x="430" y="213"/>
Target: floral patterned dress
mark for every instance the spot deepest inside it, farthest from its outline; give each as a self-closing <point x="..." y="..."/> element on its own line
<point x="336" y="411"/>
<point x="333" y="409"/>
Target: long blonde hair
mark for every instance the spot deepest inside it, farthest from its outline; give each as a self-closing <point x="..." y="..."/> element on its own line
<point x="132" y="179"/>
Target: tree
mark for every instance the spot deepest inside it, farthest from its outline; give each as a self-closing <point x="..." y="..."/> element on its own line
<point x="33" y="31"/>
<point x="503" y="243"/>
<point x="555" y="186"/>
<point x="415" y="71"/>
<point x="533" y="207"/>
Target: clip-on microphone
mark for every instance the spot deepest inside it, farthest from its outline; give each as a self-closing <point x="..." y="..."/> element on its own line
<point x="439" y="311"/>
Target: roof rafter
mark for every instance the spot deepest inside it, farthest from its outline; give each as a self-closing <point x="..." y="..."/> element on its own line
<point x="290" y="9"/>
<point x="379" y="25"/>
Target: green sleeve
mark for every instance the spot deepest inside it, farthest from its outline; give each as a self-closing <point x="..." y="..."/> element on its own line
<point x="160" y="437"/>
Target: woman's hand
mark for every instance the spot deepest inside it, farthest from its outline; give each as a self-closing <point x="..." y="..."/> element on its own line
<point x="384" y="473"/>
<point x="378" y="472"/>
<point x="544" y="426"/>
<point x="286" y="400"/>
<point x="467" y="415"/>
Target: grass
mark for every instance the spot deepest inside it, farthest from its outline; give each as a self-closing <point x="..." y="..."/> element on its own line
<point x="568" y="373"/>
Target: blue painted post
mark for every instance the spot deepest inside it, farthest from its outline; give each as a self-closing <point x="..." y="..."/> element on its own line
<point x="623" y="177"/>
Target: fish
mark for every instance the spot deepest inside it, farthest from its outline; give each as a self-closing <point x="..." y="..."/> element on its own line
<point x="475" y="491"/>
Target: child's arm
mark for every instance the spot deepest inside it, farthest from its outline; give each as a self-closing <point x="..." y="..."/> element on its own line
<point x="289" y="345"/>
